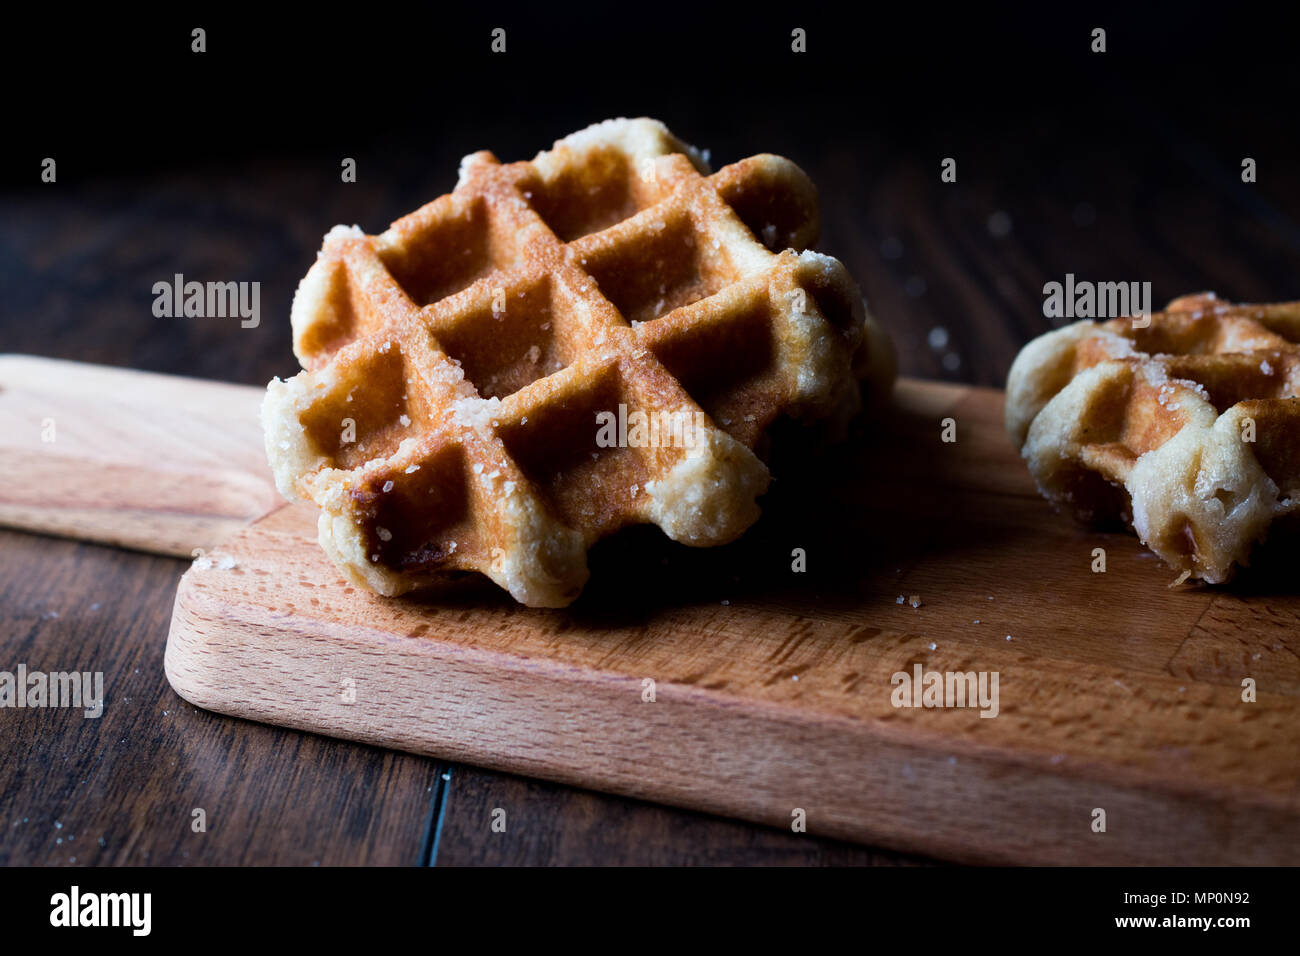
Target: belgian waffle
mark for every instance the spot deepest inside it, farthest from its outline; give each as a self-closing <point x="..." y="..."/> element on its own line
<point x="457" y="365"/>
<point x="1188" y="428"/>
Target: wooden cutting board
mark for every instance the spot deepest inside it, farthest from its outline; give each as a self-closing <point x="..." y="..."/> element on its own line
<point x="151" y="462"/>
<point x="772" y="687"/>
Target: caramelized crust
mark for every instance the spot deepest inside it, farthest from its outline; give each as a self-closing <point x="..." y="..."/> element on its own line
<point x="456" y="365"/>
<point x="1186" y="428"/>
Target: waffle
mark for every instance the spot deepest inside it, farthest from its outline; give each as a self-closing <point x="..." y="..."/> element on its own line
<point x="457" y="366"/>
<point x="1153" y="425"/>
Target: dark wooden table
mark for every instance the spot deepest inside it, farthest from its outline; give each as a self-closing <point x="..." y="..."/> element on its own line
<point x="1108" y="169"/>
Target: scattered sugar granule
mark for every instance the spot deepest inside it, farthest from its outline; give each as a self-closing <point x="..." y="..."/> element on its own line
<point x="474" y="412"/>
<point x="225" y="562"/>
<point x="726" y="603"/>
<point x="510" y="487"/>
<point x="411" y="469"/>
<point x="478" y="468"/>
<point x="386" y="346"/>
<point x="405" y="420"/>
<point x="1008" y="637"/>
<point x="388" y="486"/>
<point x="545" y="326"/>
<point x="1265" y="367"/>
<point x="451" y="548"/>
<point x="524" y="420"/>
<point x="933" y="646"/>
<point x="659" y="307"/>
<point x="976" y="621"/>
<point x="914" y="600"/>
<point x="635" y="489"/>
<point x="344" y="232"/>
<point x="384" y="533"/>
<point x="374" y="558"/>
<point x="769" y="235"/>
<point x="534" y="353"/>
<point x="902" y="599"/>
<point x="349" y="398"/>
<point x="657" y="225"/>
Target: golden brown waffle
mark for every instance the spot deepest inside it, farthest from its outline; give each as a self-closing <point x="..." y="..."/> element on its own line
<point x="457" y="363"/>
<point x="1189" y="428"/>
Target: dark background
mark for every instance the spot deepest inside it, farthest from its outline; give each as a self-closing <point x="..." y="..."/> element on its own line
<point x="225" y="165"/>
<point x="1122" y="166"/>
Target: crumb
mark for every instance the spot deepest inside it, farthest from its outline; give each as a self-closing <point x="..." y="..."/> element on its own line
<point x="914" y="600"/>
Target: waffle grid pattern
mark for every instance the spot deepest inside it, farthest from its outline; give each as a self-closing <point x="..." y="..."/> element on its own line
<point x="455" y="364"/>
<point x="1186" y="429"/>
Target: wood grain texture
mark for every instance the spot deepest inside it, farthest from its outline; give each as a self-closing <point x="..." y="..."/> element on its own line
<point x="773" y="687"/>
<point x="615" y="831"/>
<point x="121" y="789"/>
<point x="1121" y="201"/>
<point x="145" y="461"/>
